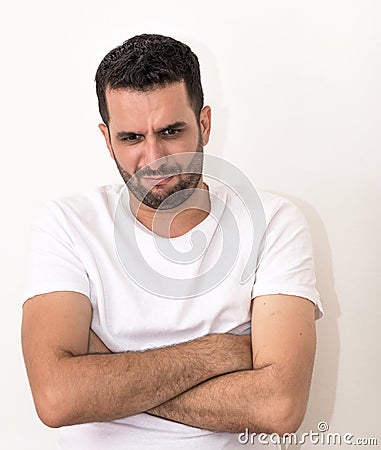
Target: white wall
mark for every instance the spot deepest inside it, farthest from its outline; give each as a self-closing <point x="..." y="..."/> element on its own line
<point x="296" y="98"/>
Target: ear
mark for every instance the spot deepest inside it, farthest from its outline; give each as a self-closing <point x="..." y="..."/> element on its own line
<point x="205" y="124"/>
<point x="106" y="135"/>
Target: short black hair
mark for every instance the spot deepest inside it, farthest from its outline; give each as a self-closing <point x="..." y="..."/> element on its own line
<point x="146" y="62"/>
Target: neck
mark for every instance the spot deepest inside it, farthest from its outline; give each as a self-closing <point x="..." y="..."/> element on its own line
<point x="176" y="221"/>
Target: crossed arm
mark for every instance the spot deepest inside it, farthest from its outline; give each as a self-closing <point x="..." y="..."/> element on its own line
<point x="219" y="382"/>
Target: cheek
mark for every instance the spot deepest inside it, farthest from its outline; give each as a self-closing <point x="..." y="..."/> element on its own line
<point x="188" y="145"/>
<point x="126" y="160"/>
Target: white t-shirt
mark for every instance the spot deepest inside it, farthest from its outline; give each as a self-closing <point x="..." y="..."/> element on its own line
<point x="73" y="248"/>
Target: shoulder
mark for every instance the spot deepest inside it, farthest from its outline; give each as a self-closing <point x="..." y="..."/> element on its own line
<point x="85" y="207"/>
<point x="100" y="197"/>
<point x="279" y="210"/>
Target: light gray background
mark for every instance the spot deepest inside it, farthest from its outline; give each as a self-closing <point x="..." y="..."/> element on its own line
<point x="295" y="93"/>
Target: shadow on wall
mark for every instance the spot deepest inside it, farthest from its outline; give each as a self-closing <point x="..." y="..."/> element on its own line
<point x="323" y="389"/>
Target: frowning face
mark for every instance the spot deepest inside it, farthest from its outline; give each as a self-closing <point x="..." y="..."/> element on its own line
<point x="149" y="135"/>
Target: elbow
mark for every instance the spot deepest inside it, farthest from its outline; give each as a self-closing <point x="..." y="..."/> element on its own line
<point x="282" y="417"/>
<point x="50" y="408"/>
<point x="287" y="416"/>
<point x="50" y="420"/>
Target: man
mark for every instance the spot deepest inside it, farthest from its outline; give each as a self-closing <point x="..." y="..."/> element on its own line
<point x="118" y="364"/>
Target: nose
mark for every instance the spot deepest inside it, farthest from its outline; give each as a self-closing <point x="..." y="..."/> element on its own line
<point x="154" y="153"/>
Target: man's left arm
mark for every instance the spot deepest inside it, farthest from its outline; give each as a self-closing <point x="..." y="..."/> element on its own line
<point x="271" y="398"/>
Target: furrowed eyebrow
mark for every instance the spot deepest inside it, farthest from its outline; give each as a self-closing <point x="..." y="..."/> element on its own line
<point x="125" y="134"/>
<point x="173" y="126"/>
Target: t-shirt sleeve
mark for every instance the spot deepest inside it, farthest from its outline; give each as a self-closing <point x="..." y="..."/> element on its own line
<point x="53" y="263"/>
<point x="286" y="265"/>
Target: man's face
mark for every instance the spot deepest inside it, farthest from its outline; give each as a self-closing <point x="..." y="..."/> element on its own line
<point x="153" y="135"/>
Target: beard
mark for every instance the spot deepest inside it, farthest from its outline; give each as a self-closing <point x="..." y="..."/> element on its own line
<point x="188" y="174"/>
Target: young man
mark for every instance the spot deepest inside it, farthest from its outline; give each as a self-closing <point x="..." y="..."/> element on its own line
<point x="116" y="363"/>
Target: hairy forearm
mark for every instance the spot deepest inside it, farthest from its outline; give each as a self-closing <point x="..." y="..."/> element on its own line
<point x="230" y="403"/>
<point x="103" y="387"/>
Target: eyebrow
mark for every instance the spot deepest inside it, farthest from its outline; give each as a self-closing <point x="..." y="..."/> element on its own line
<point x="178" y="124"/>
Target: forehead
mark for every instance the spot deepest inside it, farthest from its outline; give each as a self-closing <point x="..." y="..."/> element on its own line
<point x="139" y="108"/>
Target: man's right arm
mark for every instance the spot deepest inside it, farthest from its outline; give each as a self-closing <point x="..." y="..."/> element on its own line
<point x="70" y="386"/>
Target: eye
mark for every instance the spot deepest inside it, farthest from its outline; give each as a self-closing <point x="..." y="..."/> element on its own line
<point x="132" y="137"/>
<point x="171" y="132"/>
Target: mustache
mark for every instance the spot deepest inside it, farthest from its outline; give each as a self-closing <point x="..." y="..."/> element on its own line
<point x="172" y="169"/>
<point x="162" y="171"/>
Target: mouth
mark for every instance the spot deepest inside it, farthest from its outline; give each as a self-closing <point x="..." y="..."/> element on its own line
<point x="158" y="181"/>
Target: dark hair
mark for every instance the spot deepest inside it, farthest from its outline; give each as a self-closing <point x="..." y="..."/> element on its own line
<point x="146" y="62"/>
